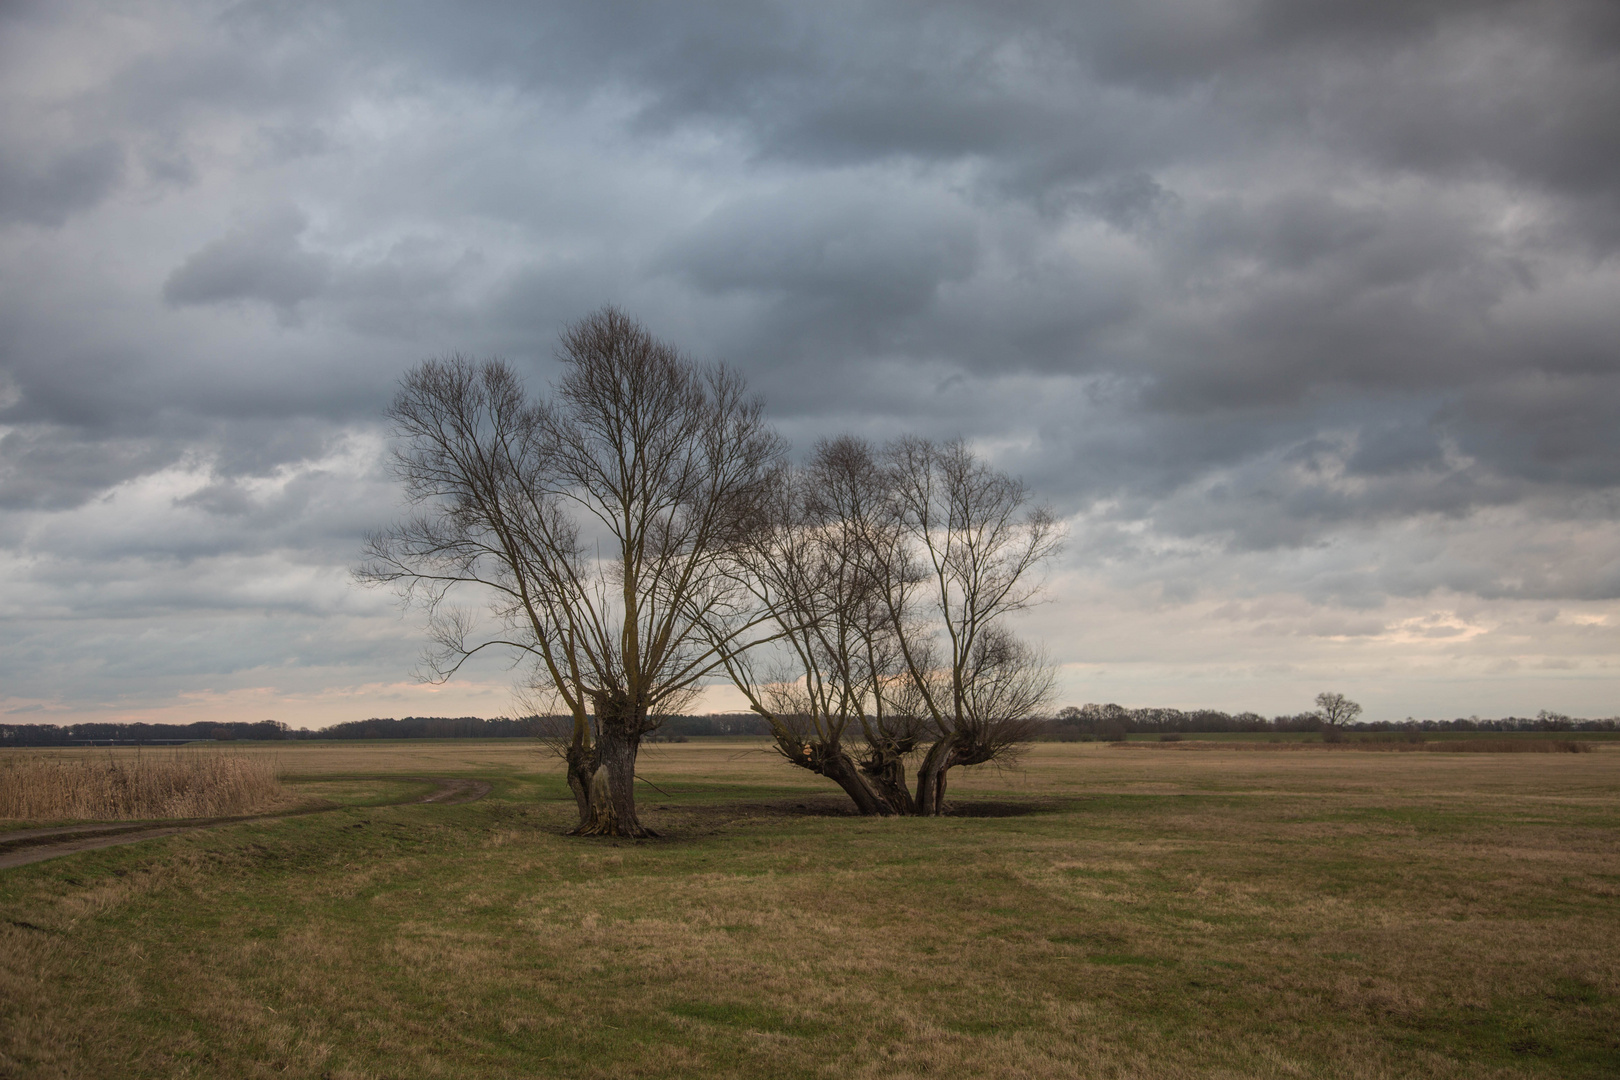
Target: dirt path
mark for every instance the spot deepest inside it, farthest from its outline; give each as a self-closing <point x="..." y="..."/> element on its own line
<point x="36" y="845"/>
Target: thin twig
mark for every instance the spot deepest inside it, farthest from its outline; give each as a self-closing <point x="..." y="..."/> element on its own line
<point x="652" y="785"/>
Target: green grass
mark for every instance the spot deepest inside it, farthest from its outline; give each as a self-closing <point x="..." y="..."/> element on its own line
<point x="359" y="791"/>
<point x="1157" y="915"/>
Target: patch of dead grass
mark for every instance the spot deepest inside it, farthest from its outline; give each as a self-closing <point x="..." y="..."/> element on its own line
<point x="87" y="785"/>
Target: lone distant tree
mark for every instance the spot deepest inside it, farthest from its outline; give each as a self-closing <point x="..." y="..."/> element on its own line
<point x="1335" y="709"/>
<point x="595" y="523"/>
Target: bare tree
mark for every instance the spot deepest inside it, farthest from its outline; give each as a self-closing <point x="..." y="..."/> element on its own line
<point x="596" y="523"/>
<point x="1335" y="709"/>
<point x="891" y="576"/>
<point x="970" y="546"/>
<point x="808" y="565"/>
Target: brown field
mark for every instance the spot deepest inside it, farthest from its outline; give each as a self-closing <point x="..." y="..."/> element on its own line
<point x="1105" y="910"/>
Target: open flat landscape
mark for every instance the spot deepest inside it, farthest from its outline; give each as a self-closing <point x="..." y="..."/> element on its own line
<point x="1137" y="910"/>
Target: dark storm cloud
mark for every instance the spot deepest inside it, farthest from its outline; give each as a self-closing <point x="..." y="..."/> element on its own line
<point x="263" y="261"/>
<point x="885" y="254"/>
<point x="1276" y="287"/>
<point x="1083" y="88"/>
<point x="1090" y="111"/>
<point x="49" y="468"/>
<point x="43" y="188"/>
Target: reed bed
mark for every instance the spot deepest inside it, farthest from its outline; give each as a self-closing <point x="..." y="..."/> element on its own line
<point x="180" y="784"/>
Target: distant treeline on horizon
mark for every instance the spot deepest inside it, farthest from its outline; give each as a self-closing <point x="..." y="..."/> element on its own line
<point x="1083" y="722"/>
<point x="1116" y="721"/>
<point x="410" y="727"/>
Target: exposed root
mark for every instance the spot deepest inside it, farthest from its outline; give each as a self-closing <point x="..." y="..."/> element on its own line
<point x="611" y="828"/>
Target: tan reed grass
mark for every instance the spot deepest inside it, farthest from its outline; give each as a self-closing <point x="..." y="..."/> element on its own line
<point x="89" y="786"/>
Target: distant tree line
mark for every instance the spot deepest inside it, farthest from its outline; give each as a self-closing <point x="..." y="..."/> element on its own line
<point x="141" y="734"/>
<point x="676" y="727"/>
<point x="1113" y="722"/>
<point x="430" y="727"/>
<point x="410" y="727"/>
<point x="1085" y="722"/>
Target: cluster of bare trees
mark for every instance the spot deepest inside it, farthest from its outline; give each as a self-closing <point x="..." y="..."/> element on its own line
<point x="639" y="533"/>
<point x="888" y="574"/>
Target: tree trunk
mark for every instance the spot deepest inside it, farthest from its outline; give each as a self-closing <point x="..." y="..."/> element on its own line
<point x="887" y="775"/>
<point x="618" y="754"/>
<point x="831" y="761"/>
<point x="839" y="768"/>
<point x="939" y="790"/>
<point x="604" y="816"/>
<point x="931" y="777"/>
<point x="581" y="771"/>
<point x="612" y="790"/>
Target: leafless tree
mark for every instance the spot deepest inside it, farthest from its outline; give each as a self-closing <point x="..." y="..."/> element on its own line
<point x="891" y="575"/>
<point x="808" y="563"/>
<point x="595" y="522"/>
<point x="970" y="547"/>
<point x="1335" y="709"/>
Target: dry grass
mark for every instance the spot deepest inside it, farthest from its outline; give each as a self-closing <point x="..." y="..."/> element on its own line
<point x="1215" y="915"/>
<point x="1511" y="746"/>
<point x="87" y="785"/>
<point x="1386" y="745"/>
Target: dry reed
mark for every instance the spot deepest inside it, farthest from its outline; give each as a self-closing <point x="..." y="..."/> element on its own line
<point x="179" y="784"/>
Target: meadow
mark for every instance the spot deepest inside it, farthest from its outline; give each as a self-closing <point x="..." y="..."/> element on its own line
<point x="1104" y="910"/>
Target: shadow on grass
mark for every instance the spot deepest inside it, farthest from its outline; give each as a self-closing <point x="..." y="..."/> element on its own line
<point x="834" y="806"/>
<point x="998" y="808"/>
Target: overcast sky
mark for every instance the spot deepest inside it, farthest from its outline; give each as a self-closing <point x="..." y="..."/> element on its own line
<point x="1305" y="314"/>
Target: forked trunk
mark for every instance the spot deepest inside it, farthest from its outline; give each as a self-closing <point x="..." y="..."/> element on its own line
<point x="831" y="761"/>
<point x="839" y="768"/>
<point x="612" y="788"/>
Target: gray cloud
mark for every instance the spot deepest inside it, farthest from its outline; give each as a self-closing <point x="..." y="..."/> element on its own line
<point x="263" y="261"/>
<point x="43" y="188"/>
<point x="51" y="469"/>
<point x="1308" y="298"/>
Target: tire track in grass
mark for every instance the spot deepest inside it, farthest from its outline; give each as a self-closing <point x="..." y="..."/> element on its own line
<point x="36" y="845"/>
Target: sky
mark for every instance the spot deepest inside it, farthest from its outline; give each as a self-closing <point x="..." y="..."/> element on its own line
<point x="1303" y="315"/>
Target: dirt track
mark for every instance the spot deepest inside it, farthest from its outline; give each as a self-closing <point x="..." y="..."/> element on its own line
<point x="36" y="845"/>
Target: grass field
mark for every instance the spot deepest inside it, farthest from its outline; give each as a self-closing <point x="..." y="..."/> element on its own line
<point x="1353" y="736"/>
<point x="1107" y="910"/>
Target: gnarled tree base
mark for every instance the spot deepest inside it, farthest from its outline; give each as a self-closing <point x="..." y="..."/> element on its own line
<point x="607" y="816"/>
<point x="613" y="829"/>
